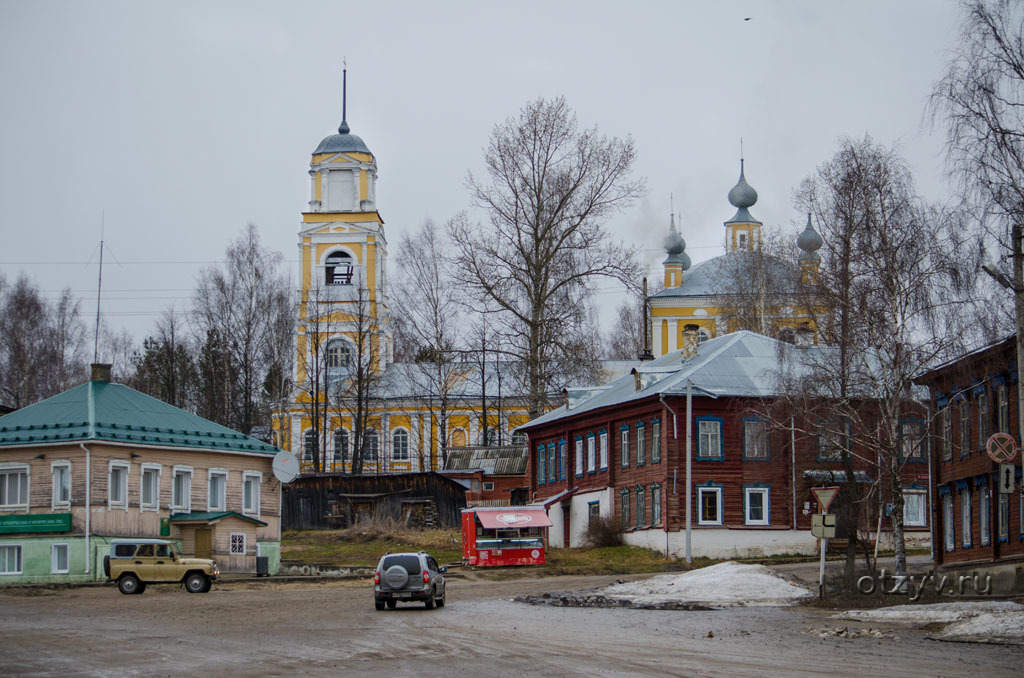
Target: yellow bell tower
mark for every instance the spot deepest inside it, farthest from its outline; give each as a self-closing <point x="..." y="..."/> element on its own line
<point x="343" y="253"/>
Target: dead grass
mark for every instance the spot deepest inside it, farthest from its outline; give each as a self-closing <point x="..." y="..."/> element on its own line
<point x="363" y="544"/>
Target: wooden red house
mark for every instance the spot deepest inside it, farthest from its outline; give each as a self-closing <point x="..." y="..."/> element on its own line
<point x="973" y="397"/>
<point x="620" y="452"/>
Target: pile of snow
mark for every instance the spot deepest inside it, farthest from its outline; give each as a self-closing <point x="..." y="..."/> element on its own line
<point x="997" y="621"/>
<point x="939" y="613"/>
<point x="724" y="585"/>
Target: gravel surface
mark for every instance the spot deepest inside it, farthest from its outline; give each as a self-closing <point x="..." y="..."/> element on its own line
<point x="269" y="628"/>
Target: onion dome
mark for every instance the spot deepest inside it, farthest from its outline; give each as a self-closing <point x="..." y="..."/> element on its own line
<point x="742" y="194"/>
<point x="676" y="246"/>
<point x="810" y="241"/>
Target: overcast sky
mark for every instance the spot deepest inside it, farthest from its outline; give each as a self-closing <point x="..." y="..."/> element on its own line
<point x="178" y="123"/>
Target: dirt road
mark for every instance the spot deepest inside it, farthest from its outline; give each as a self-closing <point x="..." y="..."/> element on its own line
<point x="277" y="629"/>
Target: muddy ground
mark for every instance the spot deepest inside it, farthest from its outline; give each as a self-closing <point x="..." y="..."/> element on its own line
<point x="270" y="628"/>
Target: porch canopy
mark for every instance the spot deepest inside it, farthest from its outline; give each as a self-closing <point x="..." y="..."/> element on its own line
<point x="514" y="517"/>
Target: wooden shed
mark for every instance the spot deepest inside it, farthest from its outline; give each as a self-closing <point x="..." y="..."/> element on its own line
<point x="334" y="500"/>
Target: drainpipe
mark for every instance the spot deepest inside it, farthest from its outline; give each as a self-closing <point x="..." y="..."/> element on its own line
<point x="689" y="444"/>
<point x="792" y="445"/>
<point x="88" y="503"/>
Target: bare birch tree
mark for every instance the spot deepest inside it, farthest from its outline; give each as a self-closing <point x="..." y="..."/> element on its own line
<point x="427" y="299"/>
<point x="894" y="275"/>
<point x="549" y="188"/>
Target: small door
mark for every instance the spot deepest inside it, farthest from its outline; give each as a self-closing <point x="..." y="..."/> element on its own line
<point x="204" y="542"/>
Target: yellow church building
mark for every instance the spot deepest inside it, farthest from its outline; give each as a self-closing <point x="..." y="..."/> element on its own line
<point x="744" y="288"/>
<point x="344" y="335"/>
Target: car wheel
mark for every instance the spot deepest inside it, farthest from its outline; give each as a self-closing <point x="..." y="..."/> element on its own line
<point x="429" y="602"/>
<point x="142" y="587"/>
<point x="196" y="583"/>
<point x="379" y="605"/>
<point x="440" y="601"/>
<point x="128" y="584"/>
<point x="209" y="585"/>
<point x="392" y="604"/>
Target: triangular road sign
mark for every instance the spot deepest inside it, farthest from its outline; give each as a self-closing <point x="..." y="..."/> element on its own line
<point x="824" y="495"/>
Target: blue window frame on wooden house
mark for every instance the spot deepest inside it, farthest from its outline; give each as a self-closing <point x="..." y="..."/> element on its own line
<point x="656" y="441"/>
<point x="710" y="446"/>
<point x="542" y="472"/>
<point x="563" y="459"/>
<point x="755" y="439"/>
<point x="579" y="456"/>
<point x="624" y="446"/>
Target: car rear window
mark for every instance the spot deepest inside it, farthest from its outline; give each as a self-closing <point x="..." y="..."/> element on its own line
<point x="410" y="563"/>
<point x="124" y="550"/>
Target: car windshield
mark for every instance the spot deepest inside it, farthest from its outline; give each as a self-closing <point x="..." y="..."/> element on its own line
<point x="410" y="563"/>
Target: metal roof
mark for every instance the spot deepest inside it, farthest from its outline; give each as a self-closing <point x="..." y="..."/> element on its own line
<point x="341" y="143"/>
<point x="742" y="364"/>
<point x="211" y="516"/>
<point x="99" y="410"/>
<point x="713" y="277"/>
<point x="506" y="460"/>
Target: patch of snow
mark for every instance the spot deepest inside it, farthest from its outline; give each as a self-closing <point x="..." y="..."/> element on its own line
<point x="723" y="585"/>
<point x="992" y="627"/>
<point x="931" y="614"/>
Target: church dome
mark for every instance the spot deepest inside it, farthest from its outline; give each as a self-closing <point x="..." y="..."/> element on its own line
<point x="742" y="194"/>
<point x="809" y="240"/>
<point x="342" y="142"/>
<point x="675" y="246"/>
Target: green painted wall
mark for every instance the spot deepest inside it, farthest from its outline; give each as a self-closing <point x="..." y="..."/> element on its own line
<point x="272" y="550"/>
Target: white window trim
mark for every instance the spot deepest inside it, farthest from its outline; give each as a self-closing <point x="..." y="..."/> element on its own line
<point x="127" y="466"/>
<point x="700" y="503"/>
<point x="765" y="506"/>
<point x="57" y="503"/>
<point x="210" y="473"/>
<point x="591" y="453"/>
<point x="984" y="516"/>
<point x="28" y="486"/>
<point x="486" y="488"/>
<point x="922" y="519"/>
<point x="247" y="475"/>
<point x="579" y="457"/>
<point x="155" y="506"/>
<point x="966" y="538"/>
<point x="408" y="441"/>
<point x="53" y="558"/>
<point x="21" y="559"/>
<point x="948" y="513"/>
<point x="231" y="543"/>
<point x="186" y="507"/>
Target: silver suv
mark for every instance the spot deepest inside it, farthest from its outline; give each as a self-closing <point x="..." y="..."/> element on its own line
<point x="408" y="577"/>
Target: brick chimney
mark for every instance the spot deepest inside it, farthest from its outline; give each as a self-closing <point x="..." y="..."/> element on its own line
<point x="101" y="372"/>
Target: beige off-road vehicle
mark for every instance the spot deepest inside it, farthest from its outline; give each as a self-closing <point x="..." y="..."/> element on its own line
<point x="133" y="563"/>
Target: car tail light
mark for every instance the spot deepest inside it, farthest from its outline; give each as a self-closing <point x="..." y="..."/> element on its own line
<point x="426" y="577"/>
<point x="376" y="577"/>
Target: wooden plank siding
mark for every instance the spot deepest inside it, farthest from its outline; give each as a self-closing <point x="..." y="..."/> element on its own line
<point x="308" y="500"/>
<point x="132" y="520"/>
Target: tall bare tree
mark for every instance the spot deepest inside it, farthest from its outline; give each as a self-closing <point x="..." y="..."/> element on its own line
<point x="549" y="188"/>
<point x="166" y="368"/>
<point x="427" y="299"/>
<point x="894" y="275"/>
<point x="236" y="301"/>
<point x="357" y="391"/>
<point x="43" y="351"/>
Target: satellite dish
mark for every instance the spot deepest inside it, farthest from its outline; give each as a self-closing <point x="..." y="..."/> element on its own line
<point x="285" y="466"/>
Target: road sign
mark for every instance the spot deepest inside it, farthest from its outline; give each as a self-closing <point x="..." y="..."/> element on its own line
<point x="823" y="525"/>
<point x="285" y="466"/>
<point x="1006" y="478"/>
<point x="824" y="495"/>
<point x="1001" y="447"/>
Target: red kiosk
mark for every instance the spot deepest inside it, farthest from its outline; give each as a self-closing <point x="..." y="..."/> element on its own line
<point x="504" y="535"/>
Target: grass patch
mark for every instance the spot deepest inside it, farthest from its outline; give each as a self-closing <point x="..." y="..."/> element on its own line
<point x="364" y="544"/>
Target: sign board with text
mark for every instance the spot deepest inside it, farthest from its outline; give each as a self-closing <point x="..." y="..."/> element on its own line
<point x="35" y="522"/>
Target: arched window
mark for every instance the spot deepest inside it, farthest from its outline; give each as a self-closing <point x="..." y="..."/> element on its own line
<point x="458" y="438"/>
<point x="371" y="445"/>
<point x="338" y="268"/>
<point x="340" y="445"/>
<point x="400" y="444"/>
<point x="339" y="354"/>
<point x="702" y="335"/>
<point x="308" y="445"/>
